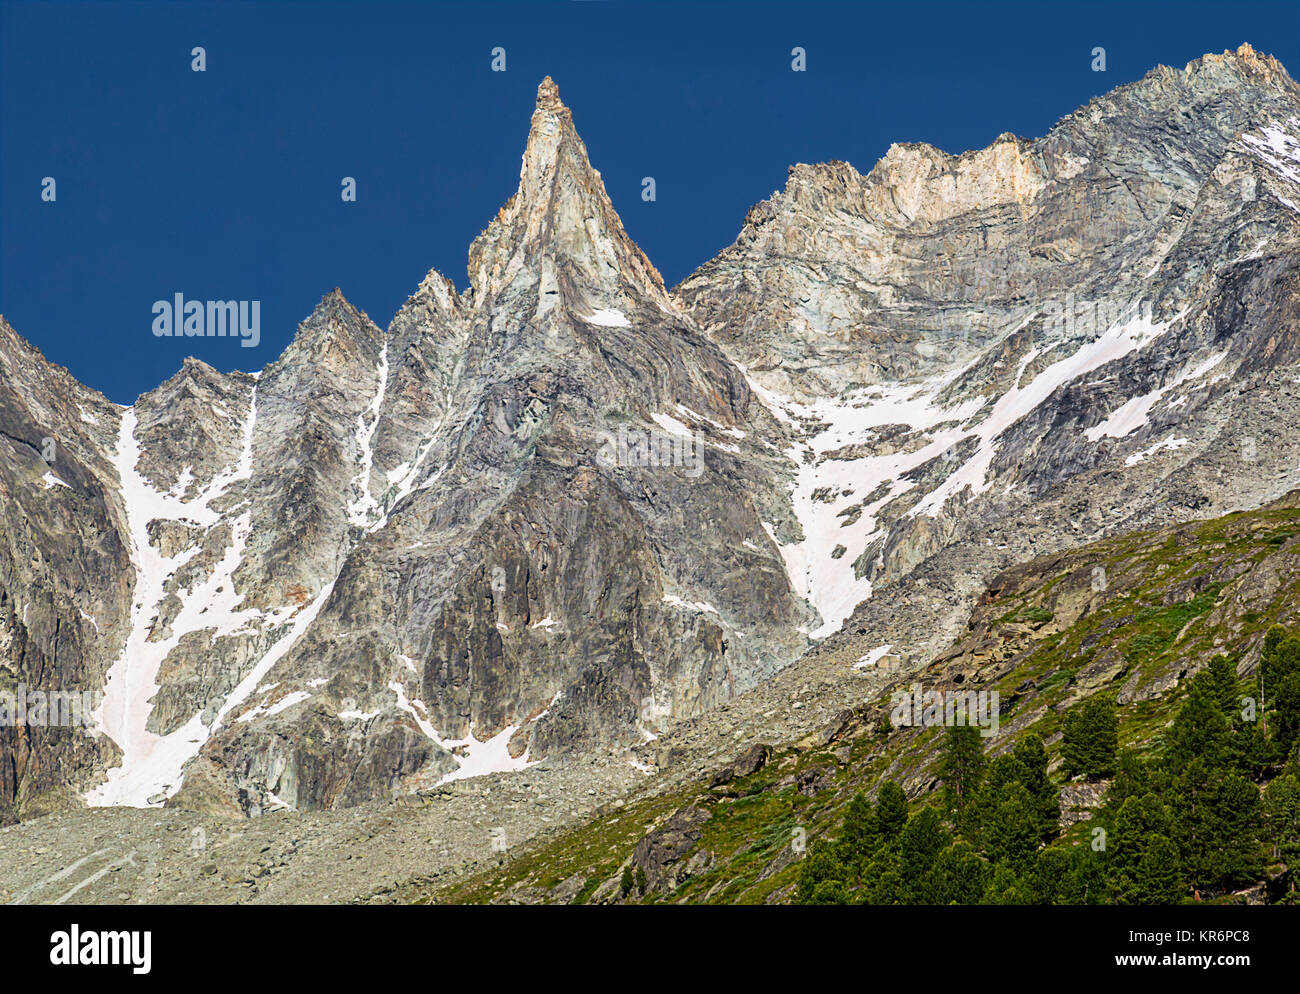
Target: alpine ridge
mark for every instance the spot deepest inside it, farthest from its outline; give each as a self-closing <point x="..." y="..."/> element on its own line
<point x="549" y="517"/>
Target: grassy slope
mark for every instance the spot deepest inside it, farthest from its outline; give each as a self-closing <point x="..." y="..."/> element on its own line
<point x="1042" y="636"/>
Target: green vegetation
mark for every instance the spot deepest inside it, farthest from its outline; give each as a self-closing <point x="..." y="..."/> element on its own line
<point x="1188" y="823"/>
<point x="1175" y="788"/>
<point x="1090" y="739"/>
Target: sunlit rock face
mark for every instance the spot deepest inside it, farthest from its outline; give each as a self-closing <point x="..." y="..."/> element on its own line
<point x="552" y="513"/>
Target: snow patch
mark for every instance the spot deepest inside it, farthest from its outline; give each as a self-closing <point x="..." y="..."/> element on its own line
<point x="824" y="489"/>
<point x="1168" y="443"/>
<point x="610" y="318"/>
<point x="873" y="657"/>
<point x="1132" y="414"/>
<point x="363" y="510"/>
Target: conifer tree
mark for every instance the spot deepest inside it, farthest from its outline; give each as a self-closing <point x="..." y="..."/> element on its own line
<point x="1282" y="821"/>
<point x="1090" y="740"/>
<point x="1214" y="825"/>
<point x="891" y="810"/>
<point x="1138" y="821"/>
<point x="961" y="768"/>
<point x="1200" y="731"/>
<point x="859" y="834"/>
<point x="1031" y="758"/>
<point x="1011" y="825"/>
<point x="1005" y="886"/>
<point x="919" y="845"/>
<point x="959" y="876"/>
<point x="821" y="876"/>
<point x="1156" y="880"/>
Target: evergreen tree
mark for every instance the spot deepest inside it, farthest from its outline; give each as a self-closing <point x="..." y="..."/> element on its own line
<point x="1011" y="825"/>
<point x="625" y="882"/>
<point x="1285" y="706"/>
<point x="883" y="882"/>
<point x="821" y="876"/>
<point x="1005" y="886"/>
<point x="1252" y="753"/>
<point x="919" y="845"/>
<point x="1156" y="880"/>
<point x="829" y="892"/>
<point x="1138" y="821"/>
<point x="1215" y="819"/>
<point x="1279" y="655"/>
<point x="1200" y="731"/>
<point x="1133" y="778"/>
<point x="1090" y="739"/>
<point x="1047" y="878"/>
<point x="1279" y="663"/>
<point x="1223" y="681"/>
<point x="891" y="810"/>
<point x="959" y="876"/>
<point x="1087" y="883"/>
<point x="1066" y="874"/>
<point x="961" y="768"/>
<point x="1282" y="820"/>
<point x="1031" y="758"/>
<point x="859" y="835"/>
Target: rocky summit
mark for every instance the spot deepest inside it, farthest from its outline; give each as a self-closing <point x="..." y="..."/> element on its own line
<point x="566" y="515"/>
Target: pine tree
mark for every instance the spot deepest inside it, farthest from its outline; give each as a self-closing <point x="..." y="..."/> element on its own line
<point x="625" y="883"/>
<point x="1252" y="753"/>
<point x="859" y="834"/>
<point x="1066" y="874"/>
<point x="1011" y="825"/>
<point x="1050" y="871"/>
<point x="919" y="845"/>
<point x="891" y="810"/>
<point x="1005" y="886"/>
<point x="1031" y="758"/>
<point x="1215" y="820"/>
<point x="1282" y="820"/>
<point x="1200" y="731"/>
<point x="1285" y="705"/>
<point x="1090" y="739"/>
<point x="1138" y="821"/>
<point x="1279" y="663"/>
<point x="1156" y="880"/>
<point x="821" y="876"/>
<point x="1223" y="679"/>
<point x="1133" y="778"/>
<point x="961" y="768"/>
<point x="883" y="882"/>
<point x="959" y="876"/>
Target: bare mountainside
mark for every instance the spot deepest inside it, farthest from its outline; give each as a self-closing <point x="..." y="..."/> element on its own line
<point x="548" y="517"/>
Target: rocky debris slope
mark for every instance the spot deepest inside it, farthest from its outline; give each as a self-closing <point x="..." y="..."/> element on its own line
<point x="1133" y="617"/>
<point x="785" y="754"/>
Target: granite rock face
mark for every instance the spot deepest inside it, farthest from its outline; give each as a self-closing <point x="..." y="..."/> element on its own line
<point x="559" y="510"/>
<point x="1086" y="329"/>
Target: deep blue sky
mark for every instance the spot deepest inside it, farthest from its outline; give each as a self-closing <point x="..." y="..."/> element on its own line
<point x="225" y="184"/>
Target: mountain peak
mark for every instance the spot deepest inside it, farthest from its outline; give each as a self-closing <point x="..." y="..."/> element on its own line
<point x="560" y="219"/>
<point x="1245" y="61"/>
<point x="548" y="95"/>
